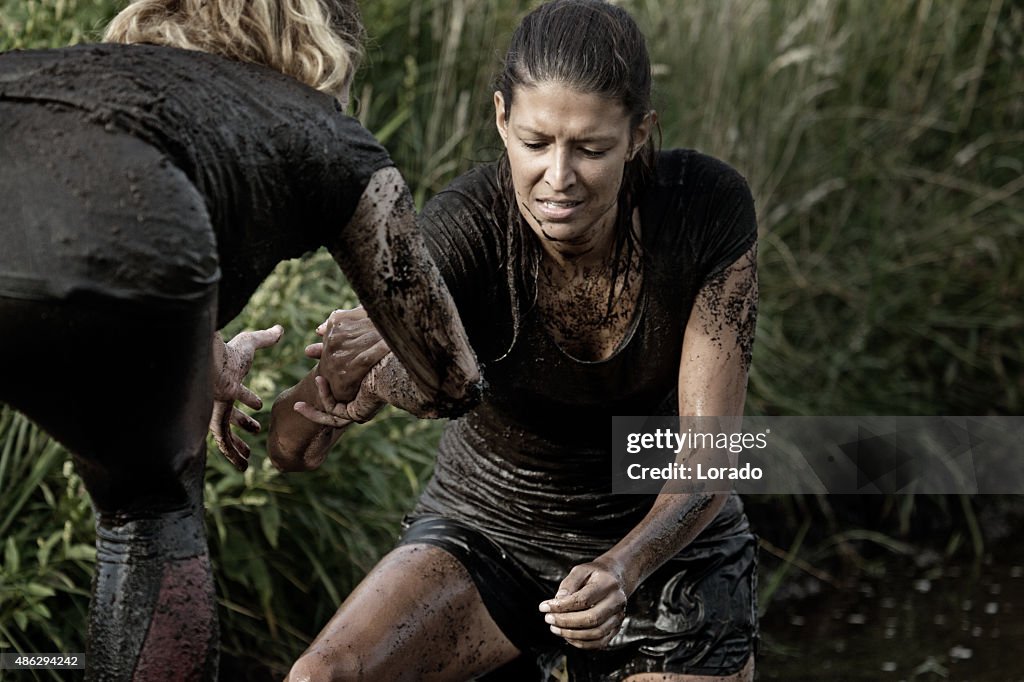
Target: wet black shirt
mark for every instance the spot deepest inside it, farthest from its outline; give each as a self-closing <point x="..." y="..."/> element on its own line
<point x="531" y="465"/>
<point x="281" y="169"/>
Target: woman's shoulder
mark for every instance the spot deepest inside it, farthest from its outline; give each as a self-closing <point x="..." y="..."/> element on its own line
<point x="679" y="167"/>
<point x="479" y="182"/>
<point x="474" y="192"/>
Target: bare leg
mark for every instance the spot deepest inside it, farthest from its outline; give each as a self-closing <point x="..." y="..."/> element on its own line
<point x="416" y="616"/>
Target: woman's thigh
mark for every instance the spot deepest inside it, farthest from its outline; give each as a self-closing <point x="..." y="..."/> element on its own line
<point x="125" y="386"/>
<point x="108" y="300"/>
<point x="416" y="616"/>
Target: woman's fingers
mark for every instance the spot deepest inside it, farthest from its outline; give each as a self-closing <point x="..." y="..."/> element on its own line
<point x="242" y="420"/>
<point x="320" y="417"/>
<point x="323" y="391"/>
<point x="234" y="449"/>
<point x="329" y="412"/>
<point x="251" y="341"/>
<point x="589" y="607"/>
<point x="592" y="623"/>
<point x="248" y="398"/>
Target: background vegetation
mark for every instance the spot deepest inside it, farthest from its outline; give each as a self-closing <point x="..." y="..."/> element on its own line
<point x="884" y="143"/>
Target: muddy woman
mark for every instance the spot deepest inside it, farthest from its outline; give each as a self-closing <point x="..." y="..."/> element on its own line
<point x="596" y="276"/>
<point x="147" y="189"/>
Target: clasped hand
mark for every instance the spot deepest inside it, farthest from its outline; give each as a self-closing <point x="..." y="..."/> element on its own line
<point x="232" y="362"/>
<point x="590" y="605"/>
<point x="350" y="349"/>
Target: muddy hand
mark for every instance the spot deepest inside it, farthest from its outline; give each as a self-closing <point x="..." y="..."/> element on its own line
<point x="351" y="346"/>
<point x="589" y="607"/>
<point x="232" y="362"/>
<point x="330" y="412"/>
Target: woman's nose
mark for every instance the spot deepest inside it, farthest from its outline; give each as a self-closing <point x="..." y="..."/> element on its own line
<point x="560" y="174"/>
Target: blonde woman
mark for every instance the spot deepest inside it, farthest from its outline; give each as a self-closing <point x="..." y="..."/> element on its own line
<point x="148" y="188"/>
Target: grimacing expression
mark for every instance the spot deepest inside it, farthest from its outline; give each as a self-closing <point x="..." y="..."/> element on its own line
<point x="567" y="151"/>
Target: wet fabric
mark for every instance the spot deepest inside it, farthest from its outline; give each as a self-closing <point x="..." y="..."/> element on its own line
<point x="529" y="468"/>
<point x="279" y="170"/>
<point x="695" y="615"/>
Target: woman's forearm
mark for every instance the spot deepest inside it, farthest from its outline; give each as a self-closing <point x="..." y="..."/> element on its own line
<point x="295" y="443"/>
<point x="390" y="382"/>
<point x="386" y="261"/>
<point x="673" y="522"/>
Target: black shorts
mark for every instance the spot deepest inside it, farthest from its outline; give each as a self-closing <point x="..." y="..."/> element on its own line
<point x="696" y="615"/>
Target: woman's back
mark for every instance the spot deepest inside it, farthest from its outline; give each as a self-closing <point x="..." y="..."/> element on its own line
<point x="281" y="169"/>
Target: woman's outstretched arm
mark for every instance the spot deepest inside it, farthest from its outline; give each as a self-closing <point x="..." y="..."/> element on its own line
<point x="385" y="259"/>
<point x="432" y="369"/>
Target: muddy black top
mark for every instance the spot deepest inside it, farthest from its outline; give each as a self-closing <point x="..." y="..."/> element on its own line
<point x="281" y="168"/>
<point x="531" y="465"/>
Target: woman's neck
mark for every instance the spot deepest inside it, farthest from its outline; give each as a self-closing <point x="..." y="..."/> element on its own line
<point x="574" y="297"/>
<point x="581" y="259"/>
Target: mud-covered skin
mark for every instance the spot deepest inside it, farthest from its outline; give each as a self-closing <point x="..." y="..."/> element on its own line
<point x="385" y="258"/>
<point x="731" y="311"/>
<point x="438" y="373"/>
<point x="388" y="630"/>
<point x="575" y="305"/>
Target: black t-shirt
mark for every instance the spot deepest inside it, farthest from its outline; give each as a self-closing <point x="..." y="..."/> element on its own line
<point x="280" y="167"/>
<point x="531" y="464"/>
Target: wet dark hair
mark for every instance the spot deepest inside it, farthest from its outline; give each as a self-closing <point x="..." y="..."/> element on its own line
<point x="596" y="48"/>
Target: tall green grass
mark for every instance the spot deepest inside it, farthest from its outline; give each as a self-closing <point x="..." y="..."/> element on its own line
<point x="884" y="143"/>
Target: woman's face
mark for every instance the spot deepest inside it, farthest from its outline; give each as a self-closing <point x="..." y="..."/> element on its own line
<point x="567" y="150"/>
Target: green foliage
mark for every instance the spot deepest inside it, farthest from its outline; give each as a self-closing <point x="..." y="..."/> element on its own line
<point x="884" y="145"/>
<point x="29" y="24"/>
<point x="47" y="531"/>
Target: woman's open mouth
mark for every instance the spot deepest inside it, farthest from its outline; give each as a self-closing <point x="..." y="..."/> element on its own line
<point x="558" y="210"/>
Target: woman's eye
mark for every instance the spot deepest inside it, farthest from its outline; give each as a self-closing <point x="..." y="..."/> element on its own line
<point x="533" y="145"/>
<point x="593" y="153"/>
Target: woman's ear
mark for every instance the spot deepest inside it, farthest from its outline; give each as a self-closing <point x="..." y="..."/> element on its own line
<point x="642" y="133"/>
<point x="500" y="121"/>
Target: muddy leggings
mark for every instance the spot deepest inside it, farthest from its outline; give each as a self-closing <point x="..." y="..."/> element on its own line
<point x="133" y="409"/>
<point x="108" y="294"/>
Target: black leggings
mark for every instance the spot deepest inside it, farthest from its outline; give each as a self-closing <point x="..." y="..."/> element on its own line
<point x="133" y="407"/>
<point x="108" y="303"/>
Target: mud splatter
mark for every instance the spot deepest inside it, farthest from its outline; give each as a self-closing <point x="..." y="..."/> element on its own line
<point x="729" y="299"/>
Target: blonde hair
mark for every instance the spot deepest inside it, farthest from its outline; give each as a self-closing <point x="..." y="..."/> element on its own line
<point x="318" y="42"/>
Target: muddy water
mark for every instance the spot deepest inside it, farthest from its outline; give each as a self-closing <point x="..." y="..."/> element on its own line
<point x="919" y="620"/>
